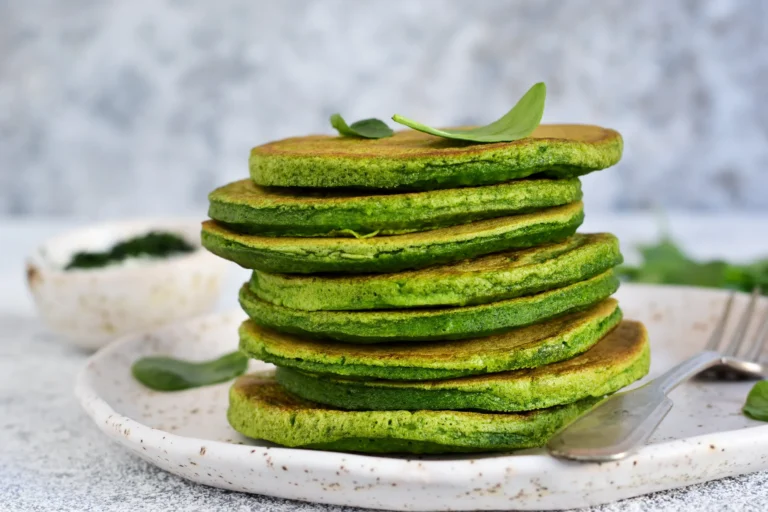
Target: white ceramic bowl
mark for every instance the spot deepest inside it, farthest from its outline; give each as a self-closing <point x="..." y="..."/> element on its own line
<point x="90" y="307"/>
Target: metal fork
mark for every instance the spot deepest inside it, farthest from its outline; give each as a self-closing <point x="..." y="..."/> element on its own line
<point x="622" y="423"/>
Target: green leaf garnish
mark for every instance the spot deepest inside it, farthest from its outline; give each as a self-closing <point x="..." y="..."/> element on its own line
<point x="666" y="263"/>
<point x="516" y="124"/>
<point x="168" y="374"/>
<point x="367" y="128"/>
<point x="757" y="402"/>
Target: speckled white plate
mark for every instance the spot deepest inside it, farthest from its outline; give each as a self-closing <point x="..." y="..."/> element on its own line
<point x="703" y="438"/>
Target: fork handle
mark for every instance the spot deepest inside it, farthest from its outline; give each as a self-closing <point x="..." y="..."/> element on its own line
<point x="623" y="423"/>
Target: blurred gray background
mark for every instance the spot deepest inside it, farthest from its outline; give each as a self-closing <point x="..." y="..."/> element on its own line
<point x="114" y="108"/>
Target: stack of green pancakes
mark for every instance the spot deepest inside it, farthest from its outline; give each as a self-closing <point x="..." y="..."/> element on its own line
<point x="423" y="295"/>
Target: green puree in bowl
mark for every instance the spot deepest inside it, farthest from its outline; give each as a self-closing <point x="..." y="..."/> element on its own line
<point x="155" y="244"/>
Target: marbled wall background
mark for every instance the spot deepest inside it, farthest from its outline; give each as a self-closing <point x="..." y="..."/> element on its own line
<point x="135" y="107"/>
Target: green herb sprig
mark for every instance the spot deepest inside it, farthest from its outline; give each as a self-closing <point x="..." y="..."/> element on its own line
<point x="168" y="374"/>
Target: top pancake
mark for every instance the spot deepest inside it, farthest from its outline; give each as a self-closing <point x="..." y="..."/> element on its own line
<point x="412" y="160"/>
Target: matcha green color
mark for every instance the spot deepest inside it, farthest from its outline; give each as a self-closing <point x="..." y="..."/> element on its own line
<point x="620" y="358"/>
<point x="429" y="324"/>
<point x="489" y="278"/>
<point x="412" y="160"/>
<point x="525" y="347"/>
<point x="248" y="208"/>
<point x="262" y="409"/>
<point x="290" y="255"/>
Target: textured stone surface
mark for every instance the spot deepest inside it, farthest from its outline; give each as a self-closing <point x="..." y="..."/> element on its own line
<point x="53" y="458"/>
<point x="111" y="108"/>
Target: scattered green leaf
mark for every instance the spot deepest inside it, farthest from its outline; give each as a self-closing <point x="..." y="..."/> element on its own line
<point x="516" y="124"/>
<point x="168" y="374"/>
<point x="154" y="244"/>
<point x="666" y="263"/>
<point x="757" y="402"/>
<point x="367" y="128"/>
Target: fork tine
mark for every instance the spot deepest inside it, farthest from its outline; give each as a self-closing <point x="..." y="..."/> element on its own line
<point x="717" y="333"/>
<point x="743" y="325"/>
<point x="761" y="340"/>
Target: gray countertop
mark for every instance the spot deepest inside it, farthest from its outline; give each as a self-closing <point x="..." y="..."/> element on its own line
<point x="53" y="458"/>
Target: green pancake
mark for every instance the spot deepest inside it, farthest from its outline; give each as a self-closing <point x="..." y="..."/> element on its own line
<point x="525" y="347"/>
<point x="485" y="279"/>
<point x="620" y="358"/>
<point x="392" y="253"/>
<point x="262" y="409"/>
<point x="412" y="160"/>
<point x="248" y="208"/>
<point x="429" y="324"/>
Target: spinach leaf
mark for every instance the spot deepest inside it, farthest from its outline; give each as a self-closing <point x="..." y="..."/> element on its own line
<point x="757" y="402"/>
<point x="516" y="124"/>
<point x="168" y="374"/>
<point x="367" y="128"/>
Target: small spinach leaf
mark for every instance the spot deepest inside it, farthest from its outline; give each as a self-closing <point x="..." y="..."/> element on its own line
<point x="367" y="128"/>
<point x="168" y="374"/>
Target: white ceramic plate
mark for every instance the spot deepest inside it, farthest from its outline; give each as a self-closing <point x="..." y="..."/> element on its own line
<point x="703" y="438"/>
